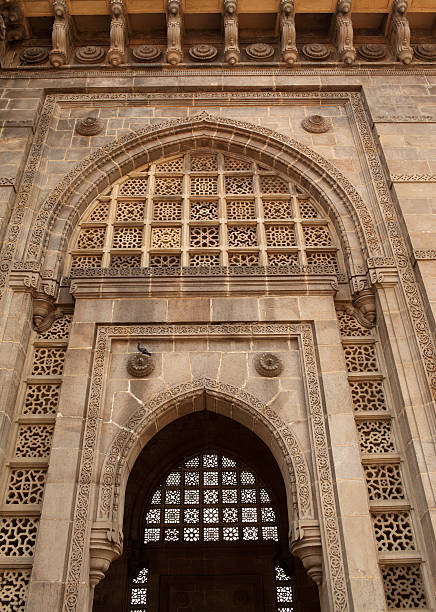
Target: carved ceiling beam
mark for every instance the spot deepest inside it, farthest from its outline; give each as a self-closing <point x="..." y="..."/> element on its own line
<point x="288" y="35"/>
<point x="399" y="32"/>
<point x="118" y="33"/>
<point x="61" y="36"/>
<point x="343" y="32"/>
<point x="174" y="32"/>
<point x="231" y="32"/>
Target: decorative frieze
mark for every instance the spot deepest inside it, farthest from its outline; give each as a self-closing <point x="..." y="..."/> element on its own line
<point x="413" y="178"/>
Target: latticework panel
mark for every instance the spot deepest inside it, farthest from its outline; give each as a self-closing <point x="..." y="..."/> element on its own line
<point x="285" y="588"/>
<point x="48" y="361"/>
<point x="34" y="440"/>
<point x="26" y="486"/>
<point x="393" y="531"/>
<point x="375" y="436"/>
<point x="360" y="358"/>
<point x="204" y="200"/>
<point x="384" y="481"/>
<point x="349" y="326"/>
<point x="41" y="398"/>
<point x="14" y="584"/>
<point x="210" y="497"/>
<point x="59" y="330"/>
<point x="404" y="587"/>
<point x="368" y="395"/>
<point x="17" y="536"/>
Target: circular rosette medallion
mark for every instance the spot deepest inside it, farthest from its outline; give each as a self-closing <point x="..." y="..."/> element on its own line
<point x="140" y="365"/>
<point x="259" y="51"/>
<point x="89" y="126"/>
<point x="317" y="124"/>
<point x="426" y="52"/>
<point x="203" y="53"/>
<point x="316" y="52"/>
<point x="372" y="52"/>
<point x="268" y="364"/>
<point x="33" y="55"/>
<point x="146" y="53"/>
<point x="90" y="54"/>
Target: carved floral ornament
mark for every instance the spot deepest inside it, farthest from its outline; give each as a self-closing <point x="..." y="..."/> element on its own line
<point x="203" y="53"/>
<point x="90" y="54"/>
<point x="268" y="364"/>
<point x="139" y="365"/>
<point x="146" y="53"/>
<point x="317" y="124"/>
<point x="316" y="52"/>
<point x="259" y="51"/>
<point x="33" y="55"/>
<point x="89" y="126"/>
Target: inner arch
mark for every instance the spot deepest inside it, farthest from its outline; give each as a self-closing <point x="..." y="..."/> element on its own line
<point x="160" y="570"/>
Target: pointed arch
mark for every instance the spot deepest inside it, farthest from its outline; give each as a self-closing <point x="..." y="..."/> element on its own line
<point x="165" y="408"/>
<point x="62" y="209"/>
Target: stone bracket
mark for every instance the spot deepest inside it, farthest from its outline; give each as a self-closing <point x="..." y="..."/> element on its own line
<point x="106" y="545"/>
<point x="382" y="272"/>
<point x="305" y="543"/>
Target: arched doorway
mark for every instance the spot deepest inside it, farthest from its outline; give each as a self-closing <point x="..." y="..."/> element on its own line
<point x="206" y="527"/>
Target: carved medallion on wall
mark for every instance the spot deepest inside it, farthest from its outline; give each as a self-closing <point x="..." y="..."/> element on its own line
<point x="259" y="51"/>
<point x="316" y="124"/>
<point x="426" y="52"/>
<point x="268" y="364"/>
<point x="89" y="127"/>
<point x="90" y="54"/>
<point x="203" y="53"/>
<point x="140" y="365"/>
<point x="372" y="52"/>
<point x="33" y="55"/>
<point x="146" y="53"/>
<point x="316" y="52"/>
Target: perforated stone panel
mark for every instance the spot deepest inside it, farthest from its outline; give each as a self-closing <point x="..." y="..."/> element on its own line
<point x="14" y="584"/>
<point x="17" y="536"/>
<point x="48" y="361"/>
<point x="393" y="531"/>
<point x="59" y="330"/>
<point x="170" y="205"/>
<point x="26" y="486"/>
<point x="404" y="587"/>
<point x="360" y="357"/>
<point x="41" y="399"/>
<point x="375" y="436"/>
<point x="34" y="440"/>
<point x="368" y="396"/>
<point x="349" y="326"/>
<point x="384" y="481"/>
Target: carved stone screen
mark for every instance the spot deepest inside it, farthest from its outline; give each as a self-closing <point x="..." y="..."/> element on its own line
<point x="203" y="209"/>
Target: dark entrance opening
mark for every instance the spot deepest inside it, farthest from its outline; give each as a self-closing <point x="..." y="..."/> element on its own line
<point x="206" y="527"/>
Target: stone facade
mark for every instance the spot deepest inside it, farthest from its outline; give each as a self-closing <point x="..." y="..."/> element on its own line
<point x="267" y="232"/>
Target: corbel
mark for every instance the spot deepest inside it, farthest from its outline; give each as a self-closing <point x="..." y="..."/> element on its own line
<point x="61" y="36"/>
<point x="382" y="272"/>
<point x="13" y="21"/>
<point x="288" y="35"/>
<point x="118" y="33"/>
<point x="106" y="545"/>
<point x="231" y="32"/>
<point x="306" y="544"/>
<point x="399" y="32"/>
<point x="174" y="32"/>
<point x="343" y="32"/>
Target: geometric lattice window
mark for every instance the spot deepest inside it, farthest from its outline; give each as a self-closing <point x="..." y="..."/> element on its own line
<point x="14" y="584"/>
<point x="284" y="590"/>
<point x="138" y="591"/>
<point x="210" y="498"/>
<point x="17" y="536"/>
<point x="203" y="209"/>
<point x="375" y="436"/>
<point x="360" y="357"/>
<point x="384" y="481"/>
<point x="393" y="531"/>
<point x="404" y="587"/>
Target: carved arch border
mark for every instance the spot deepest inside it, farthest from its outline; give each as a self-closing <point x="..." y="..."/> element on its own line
<point x="122" y="447"/>
<point x="99" y="170"/>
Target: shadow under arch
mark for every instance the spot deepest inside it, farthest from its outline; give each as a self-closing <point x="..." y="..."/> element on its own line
<point x="63" y="208"/>
<point x="202" y="430"/>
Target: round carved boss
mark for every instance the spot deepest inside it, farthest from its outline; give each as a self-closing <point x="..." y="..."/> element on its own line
<point x="203" y="53"/>
<point x="372" y="52"/>
<point x="426" y="52"/>
<point x="90" y="54"/>
<point x="317" y="124"/>
<point x="146" y="53"/>
<point x="316" y="52"/>
<point x="259" y="51"/>
<point x="140" y="365"/>
<point x="33" y="55"/>
<point x="89" y="126"/>
<point x="268" y="364"/>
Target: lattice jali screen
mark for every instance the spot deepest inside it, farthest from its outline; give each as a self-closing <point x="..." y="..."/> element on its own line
<point x="29" y="451"/>
<point x="391" y="513"/>
<point x="204" y="209"/>
<point x="212" y="498"/>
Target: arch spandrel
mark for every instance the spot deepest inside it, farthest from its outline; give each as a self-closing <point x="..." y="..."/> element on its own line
<point x="92" y="176"/>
